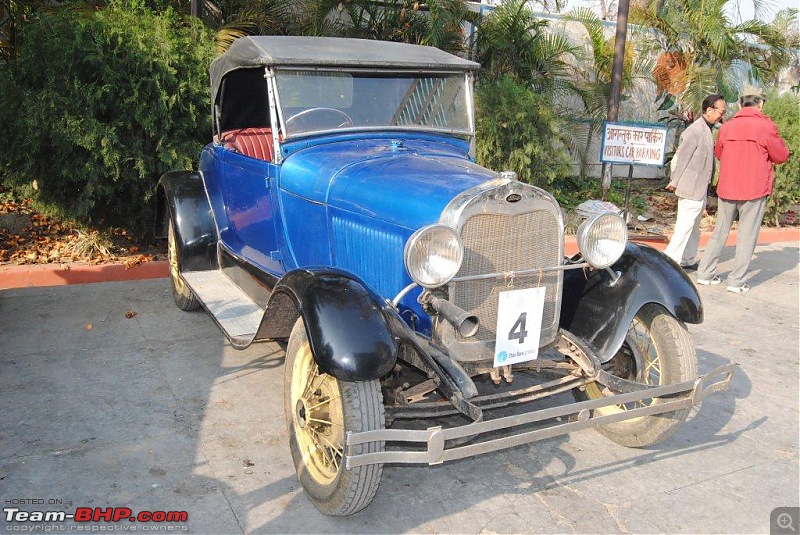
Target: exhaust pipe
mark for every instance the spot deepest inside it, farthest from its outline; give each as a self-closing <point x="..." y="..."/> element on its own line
<point x="465" y="323"/>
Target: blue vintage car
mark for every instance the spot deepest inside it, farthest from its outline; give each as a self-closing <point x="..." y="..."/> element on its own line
<point x="339" y="207"/>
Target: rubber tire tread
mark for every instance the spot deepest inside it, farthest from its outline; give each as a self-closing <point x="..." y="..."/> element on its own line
<point x="185" y="300"/>
<point x="363" y="410"/>
<point x="670" y="337"/>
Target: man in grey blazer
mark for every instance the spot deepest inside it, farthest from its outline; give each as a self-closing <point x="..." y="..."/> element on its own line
<point x="692" y="169"/>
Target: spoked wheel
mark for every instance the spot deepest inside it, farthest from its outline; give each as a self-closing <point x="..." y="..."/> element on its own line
<point x="183" y="296"/>
<point x="657" y="351"/>
<point x="320" y="410"/>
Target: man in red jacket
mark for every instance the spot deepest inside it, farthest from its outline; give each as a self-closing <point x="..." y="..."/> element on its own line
<point x="747" y="147"/>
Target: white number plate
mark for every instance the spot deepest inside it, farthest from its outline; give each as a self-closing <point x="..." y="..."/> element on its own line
<point x="519" y="323"/>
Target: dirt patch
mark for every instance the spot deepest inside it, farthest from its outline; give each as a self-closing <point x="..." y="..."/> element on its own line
<point x="662" y="209"/>
<point x="29" y="237"/>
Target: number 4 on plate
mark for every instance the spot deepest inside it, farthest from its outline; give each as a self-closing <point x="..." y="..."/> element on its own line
<point x="518" y="331"/>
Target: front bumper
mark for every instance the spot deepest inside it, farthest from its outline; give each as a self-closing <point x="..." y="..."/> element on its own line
<point x="433" y="440"/>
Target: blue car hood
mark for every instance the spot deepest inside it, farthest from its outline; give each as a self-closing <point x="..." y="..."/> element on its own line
<point x="403" y="182"/>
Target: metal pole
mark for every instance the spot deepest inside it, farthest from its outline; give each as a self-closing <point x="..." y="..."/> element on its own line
<point x="628" y="196"/>
<point x="616" y="76"/>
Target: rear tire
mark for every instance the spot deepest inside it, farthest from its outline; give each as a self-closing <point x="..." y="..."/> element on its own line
<point x="657" y="351"/>
<point x="320" y="410"/>
<point x="181" y="293"/>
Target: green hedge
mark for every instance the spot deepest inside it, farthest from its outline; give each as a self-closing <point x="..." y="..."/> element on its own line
<point x="784" y="110"/>
<point x="99" y="104"/>
<point x="517" y="130"/>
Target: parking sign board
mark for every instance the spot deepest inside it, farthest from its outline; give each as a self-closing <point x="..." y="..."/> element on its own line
<point x="633" y="144"/>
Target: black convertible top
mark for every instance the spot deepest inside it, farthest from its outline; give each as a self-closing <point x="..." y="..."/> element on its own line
<point x="260" y="51"/>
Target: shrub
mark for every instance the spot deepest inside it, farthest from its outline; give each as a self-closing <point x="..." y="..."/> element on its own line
<point x="99" y="104"/>
<point x="517" y="130"/>
<point x="785" y="112"/>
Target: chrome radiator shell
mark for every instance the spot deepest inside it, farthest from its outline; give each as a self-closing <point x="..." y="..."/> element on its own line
<point x="506" y="227"/>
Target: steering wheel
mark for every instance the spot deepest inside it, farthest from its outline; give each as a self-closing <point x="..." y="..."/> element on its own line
<point x="331" y="112"/>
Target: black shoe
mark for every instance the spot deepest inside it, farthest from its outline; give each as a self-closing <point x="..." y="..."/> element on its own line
<point x="692" y="267"/>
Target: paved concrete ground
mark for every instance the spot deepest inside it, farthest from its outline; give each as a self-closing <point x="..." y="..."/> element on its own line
<point x="156" y="412"/>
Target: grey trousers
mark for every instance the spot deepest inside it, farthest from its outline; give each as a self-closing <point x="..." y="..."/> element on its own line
<point x="750" y="215"/>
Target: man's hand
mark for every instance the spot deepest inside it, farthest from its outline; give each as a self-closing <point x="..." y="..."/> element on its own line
<point x="670" y="188"/>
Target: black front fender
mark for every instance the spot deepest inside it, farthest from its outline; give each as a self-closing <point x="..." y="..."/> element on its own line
<point x="347" y="324"/>
<point x="600" y="312"/>
<point x="181" y="196"/>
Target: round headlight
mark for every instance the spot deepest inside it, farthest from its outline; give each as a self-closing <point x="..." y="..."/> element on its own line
<point x="602" y="238"/>
<point x="433" y="255"/>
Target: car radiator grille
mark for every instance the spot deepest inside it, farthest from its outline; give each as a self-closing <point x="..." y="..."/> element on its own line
<point x="495" y="243"/>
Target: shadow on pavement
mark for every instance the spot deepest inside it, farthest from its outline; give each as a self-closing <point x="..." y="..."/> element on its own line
<point x="156" y="412"/>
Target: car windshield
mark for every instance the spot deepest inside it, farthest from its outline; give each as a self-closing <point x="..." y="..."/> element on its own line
<point x="316" y="101"/>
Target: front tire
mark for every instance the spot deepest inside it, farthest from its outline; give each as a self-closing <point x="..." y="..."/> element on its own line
<point x="320" y="410"/>
<point x="657" y="351"/>
<point x="181" y="293"/>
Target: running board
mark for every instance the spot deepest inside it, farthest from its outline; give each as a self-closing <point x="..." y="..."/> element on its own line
<point x="237" y="315"/>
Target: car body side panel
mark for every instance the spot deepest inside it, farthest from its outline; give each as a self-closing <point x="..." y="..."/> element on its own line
<point x="305" y="227"/>
<point x="244" y="199"/>
<point x="249" y="196"/>
<point x="601" y="312"/>
<point x="371" y="248"/>
<point x="348" y="332"/>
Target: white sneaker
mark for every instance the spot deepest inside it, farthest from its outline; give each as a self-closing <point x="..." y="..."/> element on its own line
<point x="739" y="289"/>
<point x="710" y="282"/>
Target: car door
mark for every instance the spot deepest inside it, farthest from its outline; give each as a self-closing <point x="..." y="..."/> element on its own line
<point x="248" y="190"/>
<point x="244" y="182"/>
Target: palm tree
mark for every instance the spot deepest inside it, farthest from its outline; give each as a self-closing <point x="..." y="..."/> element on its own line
<point x="592" y="73"/>
<point x="591" y="76"/>
<point x="525" y="71"/>
<point x="513" y="41"/>
<point x="437" y="23"/>
<point x="785" y="23"/>
<point x="705" y="43"/>
<point x="231" y="19"/>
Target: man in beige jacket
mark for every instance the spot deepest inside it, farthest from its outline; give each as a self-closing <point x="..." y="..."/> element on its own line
<point x="692" y="170"/>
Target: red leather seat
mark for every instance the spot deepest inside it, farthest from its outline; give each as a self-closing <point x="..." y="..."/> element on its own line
<point x="253" y="142"/>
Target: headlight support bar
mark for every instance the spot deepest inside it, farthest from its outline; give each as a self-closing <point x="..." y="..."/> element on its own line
<point x="505" y="275"/>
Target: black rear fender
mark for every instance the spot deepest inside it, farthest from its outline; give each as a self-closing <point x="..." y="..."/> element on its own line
<point x="347" y="324"/>
<point x="181" y="196"/>
<point x="600" y="312"/>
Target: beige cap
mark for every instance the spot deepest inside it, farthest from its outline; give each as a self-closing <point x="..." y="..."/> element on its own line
<point x="751" y="91"/>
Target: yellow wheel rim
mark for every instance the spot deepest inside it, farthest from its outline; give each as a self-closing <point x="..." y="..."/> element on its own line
<point x="317" y="417"/>
<point x="174" y="270"/>
<point x="646" y="367"/>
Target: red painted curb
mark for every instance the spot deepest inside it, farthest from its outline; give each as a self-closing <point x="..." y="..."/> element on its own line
<point x="60" y="275"/>
<point x="12" y="276"/>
